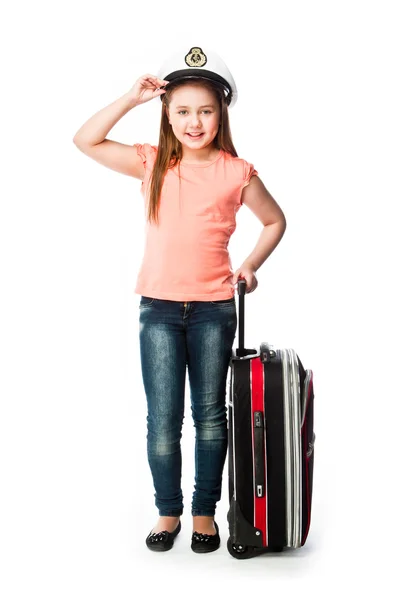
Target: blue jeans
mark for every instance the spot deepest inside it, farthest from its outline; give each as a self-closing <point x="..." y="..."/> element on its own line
<point x="172" y="335"/>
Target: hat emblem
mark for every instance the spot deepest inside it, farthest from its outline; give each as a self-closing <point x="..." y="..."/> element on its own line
<point x="196" y="58"/>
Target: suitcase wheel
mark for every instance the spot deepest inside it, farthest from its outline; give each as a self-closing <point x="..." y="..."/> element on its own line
<point x="239" y="551"/>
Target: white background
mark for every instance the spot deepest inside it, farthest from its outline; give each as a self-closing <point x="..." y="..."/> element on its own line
<point x="318" y="115"/>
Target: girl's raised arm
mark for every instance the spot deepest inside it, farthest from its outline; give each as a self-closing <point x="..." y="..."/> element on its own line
<point x="91" y="137"/>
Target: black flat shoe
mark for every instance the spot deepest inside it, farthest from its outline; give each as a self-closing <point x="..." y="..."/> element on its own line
<point x="203" y="542"/>
<point x="163" y="540"/>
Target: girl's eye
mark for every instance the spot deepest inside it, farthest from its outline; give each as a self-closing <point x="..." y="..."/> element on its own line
<point x="181" y="111"/>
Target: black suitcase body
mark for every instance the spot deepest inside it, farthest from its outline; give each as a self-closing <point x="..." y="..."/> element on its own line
<point x="270" y="447"/>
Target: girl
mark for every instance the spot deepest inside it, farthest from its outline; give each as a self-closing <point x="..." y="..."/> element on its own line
<point x="193" y="183"/>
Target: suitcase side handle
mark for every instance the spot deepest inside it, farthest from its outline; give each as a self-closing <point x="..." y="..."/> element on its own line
<point x="266" y="352"/>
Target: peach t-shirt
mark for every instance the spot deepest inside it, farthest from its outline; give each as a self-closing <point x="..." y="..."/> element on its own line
<point x="186" y="255"/>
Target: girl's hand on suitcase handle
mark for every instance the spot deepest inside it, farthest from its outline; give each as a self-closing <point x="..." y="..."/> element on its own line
<point x="248" y="273"/>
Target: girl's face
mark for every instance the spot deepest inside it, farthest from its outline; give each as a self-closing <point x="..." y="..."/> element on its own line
<point x="194" y="110"/>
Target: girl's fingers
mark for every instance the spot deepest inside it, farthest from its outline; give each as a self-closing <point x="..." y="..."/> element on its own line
<point x="154" y="79"/>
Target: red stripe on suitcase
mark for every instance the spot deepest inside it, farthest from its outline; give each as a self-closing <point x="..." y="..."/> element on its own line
<point x="257" y="404"/>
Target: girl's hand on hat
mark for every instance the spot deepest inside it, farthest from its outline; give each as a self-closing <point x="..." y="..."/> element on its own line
<point x="146" y="88"/>
<point x="248" y="273"/>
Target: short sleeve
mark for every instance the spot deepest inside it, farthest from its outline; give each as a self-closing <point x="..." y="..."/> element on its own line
<point x="147" y="153"/>
<point x="248" y="173"/>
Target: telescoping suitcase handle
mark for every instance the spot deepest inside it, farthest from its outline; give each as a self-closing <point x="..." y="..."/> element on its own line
<point x="265" y="350"/>
<point x="241" y="350"/>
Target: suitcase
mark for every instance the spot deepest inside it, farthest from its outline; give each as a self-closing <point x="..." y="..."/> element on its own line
<point x="270" y="447"/>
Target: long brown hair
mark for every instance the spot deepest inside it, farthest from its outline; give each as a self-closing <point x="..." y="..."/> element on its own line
<point x="170" y="148"/>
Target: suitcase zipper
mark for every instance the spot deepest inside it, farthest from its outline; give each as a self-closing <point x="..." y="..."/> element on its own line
<point x="296" y="430"/>
<point x="288" y="448"/>
<point x="292" y="418"/>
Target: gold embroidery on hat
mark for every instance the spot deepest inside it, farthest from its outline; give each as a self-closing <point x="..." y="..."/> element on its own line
<point x="196" y="58"/>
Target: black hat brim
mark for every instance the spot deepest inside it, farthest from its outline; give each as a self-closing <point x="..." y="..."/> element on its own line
<point x="190" y="74"/>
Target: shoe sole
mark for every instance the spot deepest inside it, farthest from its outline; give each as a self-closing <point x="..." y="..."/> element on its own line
<point x="155" y="548"/>
<point x="204" y="550"/>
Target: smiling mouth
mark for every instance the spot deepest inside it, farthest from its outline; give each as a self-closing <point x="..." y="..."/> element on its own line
<point x="197" y="135"/>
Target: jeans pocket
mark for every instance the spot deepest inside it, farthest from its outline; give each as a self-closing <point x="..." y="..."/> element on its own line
<point x="146" y="301"/>
<point x="228" y="302"/>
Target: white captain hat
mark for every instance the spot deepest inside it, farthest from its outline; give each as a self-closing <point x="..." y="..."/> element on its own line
<point x="194" y="62"/>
